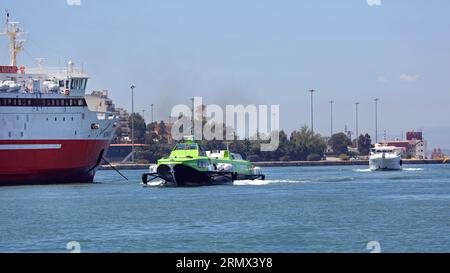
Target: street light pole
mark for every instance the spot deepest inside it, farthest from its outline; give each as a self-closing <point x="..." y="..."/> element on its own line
<point x="193" y="119"/>
<point x="312" y="109"/>
<point x="132" y="122"/>
<point x="143" y="113"/>
<point x="376" y="119"/>
<point x="357" y="120"/>
<point x="331" y="105"/>
<point x="151" y="106"/>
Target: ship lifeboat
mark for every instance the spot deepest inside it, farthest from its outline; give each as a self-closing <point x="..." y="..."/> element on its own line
<point x="51" y="86"/>
<point x="3" y="86"/>
<point x="12" y="86"/>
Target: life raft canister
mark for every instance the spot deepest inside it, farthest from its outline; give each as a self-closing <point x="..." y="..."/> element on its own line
<point x="22" y="70"/>
<point x="67" y="92"/>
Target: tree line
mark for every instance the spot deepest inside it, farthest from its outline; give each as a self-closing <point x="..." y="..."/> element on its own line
<point x="301" y="145"/>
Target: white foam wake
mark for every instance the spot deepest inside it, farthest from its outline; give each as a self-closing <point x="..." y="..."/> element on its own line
<point x="153" y="184"/>
<point x="362" y="170"/>
<point x="404" y="169"/>
<point x="263" y="182"/>
<point x="413" y="169"/>
<point x="237" y="183"/>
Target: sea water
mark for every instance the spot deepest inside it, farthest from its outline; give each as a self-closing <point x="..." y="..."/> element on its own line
<point x="298" y="209"/>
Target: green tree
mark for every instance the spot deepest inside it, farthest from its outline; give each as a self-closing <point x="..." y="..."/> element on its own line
<point x="364" y="144"/>
<point x="283" y="151"/>
<point x="152" y="126"/>
<point x="163" y="132"/>
<point x="155" y="152"/>
<point x="304" y="143"/>
<point x="140" y="128"/>
<point x="339" y="143"/>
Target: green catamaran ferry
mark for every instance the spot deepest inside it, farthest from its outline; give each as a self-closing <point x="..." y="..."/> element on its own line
<point x="190" y="165"/>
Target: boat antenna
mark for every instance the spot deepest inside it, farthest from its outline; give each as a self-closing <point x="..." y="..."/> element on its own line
<point x="39" y="62"/>
<point x="228" y="145"/>
<point x="193" y="118"/>
<point x="12" y="30"/>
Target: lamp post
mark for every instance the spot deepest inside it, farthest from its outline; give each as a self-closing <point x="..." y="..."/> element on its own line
<point x="312" y="109"/>
<point x="357" y="120"/>
<point x="151" y="107"/>
<point x="193" y="119"/>
<point x="132" y="122"/>
<point x="331" y="111"/>
<point x="376" y="119"/>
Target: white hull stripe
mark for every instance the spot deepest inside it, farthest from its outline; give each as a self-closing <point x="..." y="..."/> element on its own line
<point x="30" y="146"/>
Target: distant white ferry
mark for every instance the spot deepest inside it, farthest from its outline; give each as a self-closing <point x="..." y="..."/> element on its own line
<point x="385" y="158"/>
<point x="50" y="131"/>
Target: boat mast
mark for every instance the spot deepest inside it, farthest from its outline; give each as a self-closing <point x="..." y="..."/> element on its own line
<point x="12" y="31"/>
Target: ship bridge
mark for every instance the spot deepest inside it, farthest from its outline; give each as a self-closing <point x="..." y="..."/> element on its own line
<point x="68" y="81"/>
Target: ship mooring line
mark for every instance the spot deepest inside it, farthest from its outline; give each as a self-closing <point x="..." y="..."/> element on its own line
<point x="114" y="168"/>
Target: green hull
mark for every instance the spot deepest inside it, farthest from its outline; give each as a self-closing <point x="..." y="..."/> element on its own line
<point x="189" y="165"/>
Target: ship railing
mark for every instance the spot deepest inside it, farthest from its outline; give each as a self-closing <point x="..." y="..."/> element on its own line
<point x="57" y="72"/>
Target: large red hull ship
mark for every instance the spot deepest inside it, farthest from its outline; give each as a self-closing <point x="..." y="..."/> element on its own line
<point x="50" y="131"/>
<point x="41" y="162"/>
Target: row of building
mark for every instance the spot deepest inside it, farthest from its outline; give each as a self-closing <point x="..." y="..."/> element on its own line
<point x="102" y="103"/>
<point x="414" y="146"/>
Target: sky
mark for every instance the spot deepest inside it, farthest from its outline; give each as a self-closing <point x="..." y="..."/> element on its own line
<point x="257" y="52"/>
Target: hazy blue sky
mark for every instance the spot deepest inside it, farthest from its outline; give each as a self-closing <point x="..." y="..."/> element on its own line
<point x="257" y="52"/>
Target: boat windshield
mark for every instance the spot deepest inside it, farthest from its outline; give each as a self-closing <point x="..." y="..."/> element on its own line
<point x="383" y="151"/>
<point x="186" y="146"/>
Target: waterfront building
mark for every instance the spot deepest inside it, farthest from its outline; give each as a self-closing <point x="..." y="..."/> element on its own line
<point x="415" y="146"/>
<point x="123" y="128"/>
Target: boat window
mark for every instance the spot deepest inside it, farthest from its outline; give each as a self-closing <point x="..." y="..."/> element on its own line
<point x="202" y="152"/>
<point x="78" y="84"/>
<point x="180" y="147"/>
<point x="42" y="102"/>
<point x="236" y="157"/>
<point x="183" y="146"/>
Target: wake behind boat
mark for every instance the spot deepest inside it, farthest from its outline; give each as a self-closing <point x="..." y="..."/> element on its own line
<point x="385" y="158"/>
<point x="190" y="165"/>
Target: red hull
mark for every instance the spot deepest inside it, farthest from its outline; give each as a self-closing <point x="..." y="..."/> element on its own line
<point x="74" y="161"/>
